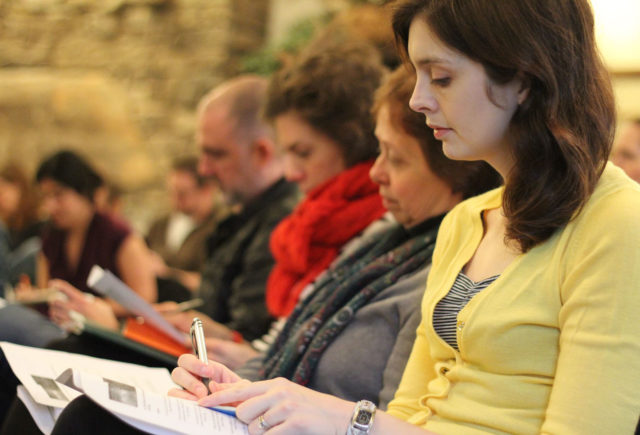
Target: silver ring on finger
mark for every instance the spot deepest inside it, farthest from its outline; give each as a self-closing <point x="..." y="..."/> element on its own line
<point x="262" y="424"/>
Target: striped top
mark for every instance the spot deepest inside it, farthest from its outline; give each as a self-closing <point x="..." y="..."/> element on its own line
<point x="446" y="311"/>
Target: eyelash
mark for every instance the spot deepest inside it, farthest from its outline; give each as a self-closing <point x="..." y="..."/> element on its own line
<point x="396" y="161"/>
<point x="301" y="154"/>
<point x="441" y="82"/>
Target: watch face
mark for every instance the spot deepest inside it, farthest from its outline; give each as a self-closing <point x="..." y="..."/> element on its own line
<point x="363" y="417"/>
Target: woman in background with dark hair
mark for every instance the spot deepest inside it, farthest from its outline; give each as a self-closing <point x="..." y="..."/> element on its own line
<point x="77" y="237"/>
<point x="81" y="236"/>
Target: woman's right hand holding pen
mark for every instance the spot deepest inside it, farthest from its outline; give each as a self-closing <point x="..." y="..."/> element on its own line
<point x="191" y="370"/>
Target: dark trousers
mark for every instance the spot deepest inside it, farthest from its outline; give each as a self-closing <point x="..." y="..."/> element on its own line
<point x="81" y="416"/>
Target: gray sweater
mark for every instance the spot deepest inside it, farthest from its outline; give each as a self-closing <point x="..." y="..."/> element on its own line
<point x="367" y="359"/>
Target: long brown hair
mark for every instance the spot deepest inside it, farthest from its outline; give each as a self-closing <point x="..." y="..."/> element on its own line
<point x="27" y="212"/>
<point x="562" y="133"/>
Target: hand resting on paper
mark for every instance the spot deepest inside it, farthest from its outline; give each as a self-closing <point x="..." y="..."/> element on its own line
<point x="286" y="407"/>
<point x="95" y="309"/>
<point x="191" y="370"/>
<point x="292" y="408"/>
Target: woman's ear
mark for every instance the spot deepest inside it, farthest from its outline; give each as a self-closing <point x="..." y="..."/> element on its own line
<point x="263" y="150"/>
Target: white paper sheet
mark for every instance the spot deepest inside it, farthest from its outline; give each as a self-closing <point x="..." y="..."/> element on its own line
<point x="134" y="393"/>
<point x="109" y="285"/>
<point x="43" y="416"/>
<point x="157" y="413"/>
<point x="37" y="370"/>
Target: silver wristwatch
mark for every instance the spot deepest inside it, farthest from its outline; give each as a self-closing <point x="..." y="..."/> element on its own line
<point x="362" y="419"/>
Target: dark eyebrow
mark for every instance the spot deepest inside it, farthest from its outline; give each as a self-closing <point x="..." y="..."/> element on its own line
<point x="213" y="152"/>
<point x="430" y="61"/>
<point x="291" y="145"/>
<point x="294" y="146"/>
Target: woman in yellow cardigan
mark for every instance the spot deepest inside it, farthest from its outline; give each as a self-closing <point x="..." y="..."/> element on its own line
<point x="530" y="318"/>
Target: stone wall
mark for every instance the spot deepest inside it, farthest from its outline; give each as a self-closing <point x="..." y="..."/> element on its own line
<point x="117" y="80"/>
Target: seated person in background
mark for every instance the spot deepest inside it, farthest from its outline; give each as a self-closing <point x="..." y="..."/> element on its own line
<point x="328" y="153"/>
<point x="377" y="288"/>
<point x="77" y="238"/>
<point x="179" y="239"/>
<point x="626" y="149"/>
<point x="19" y="212"/>
<point x="238" y="151"/>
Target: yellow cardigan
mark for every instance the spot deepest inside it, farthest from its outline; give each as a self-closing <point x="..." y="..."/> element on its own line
<point x="553" y="345"/>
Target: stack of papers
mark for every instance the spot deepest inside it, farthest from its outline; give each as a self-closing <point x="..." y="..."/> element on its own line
<point x="135" y="394"/>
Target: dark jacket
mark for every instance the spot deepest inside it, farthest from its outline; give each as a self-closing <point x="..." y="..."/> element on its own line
<point x="235" y="275"/>
<point x="192" y="254"/>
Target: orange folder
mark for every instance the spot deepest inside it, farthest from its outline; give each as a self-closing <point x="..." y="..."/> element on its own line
<point x="137" y="330"/>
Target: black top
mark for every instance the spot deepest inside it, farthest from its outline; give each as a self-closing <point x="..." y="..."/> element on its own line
<point x="234" y="277"/>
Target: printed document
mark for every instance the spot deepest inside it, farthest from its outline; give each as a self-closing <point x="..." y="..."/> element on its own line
<point x="109" y="285"/>
<point x="135" y="394"/>
<point x="156" y="413"/>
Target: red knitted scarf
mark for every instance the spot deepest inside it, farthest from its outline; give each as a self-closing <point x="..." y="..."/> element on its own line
<point x="307" y="241"/>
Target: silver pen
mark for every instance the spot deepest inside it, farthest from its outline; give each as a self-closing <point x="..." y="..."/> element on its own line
<point x="198" y="344"/>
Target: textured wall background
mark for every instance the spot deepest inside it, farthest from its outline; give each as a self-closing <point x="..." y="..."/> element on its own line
<point x="117" y="80"/>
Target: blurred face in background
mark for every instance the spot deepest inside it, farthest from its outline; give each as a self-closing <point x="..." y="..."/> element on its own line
<point x="183" y="192"/>
<point x="9" y="199"/>
<point x="224" y="158"/>
<point x="64" y="206"/>
<point x="310" y="157"/>
<point x="626" y="150"/>
<point x="408" y="187"/>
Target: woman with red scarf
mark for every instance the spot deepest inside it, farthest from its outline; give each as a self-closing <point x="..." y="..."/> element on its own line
<point x="329" y="148"/>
